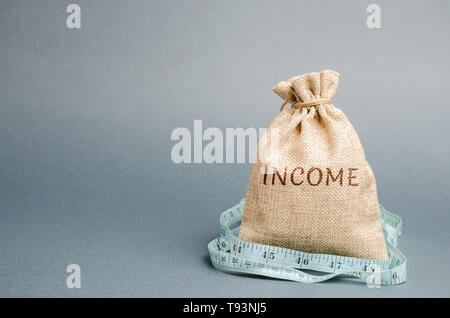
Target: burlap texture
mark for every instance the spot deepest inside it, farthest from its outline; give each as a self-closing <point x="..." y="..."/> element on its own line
<point x="320" y="196"/>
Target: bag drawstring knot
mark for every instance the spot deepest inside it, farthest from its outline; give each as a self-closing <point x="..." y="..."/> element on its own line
<point x="305" y="104"/>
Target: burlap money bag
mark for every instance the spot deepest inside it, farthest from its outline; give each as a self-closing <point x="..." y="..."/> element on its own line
<point x="315" y="191"/>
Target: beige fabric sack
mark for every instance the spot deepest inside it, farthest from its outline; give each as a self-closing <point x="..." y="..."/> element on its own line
<point x="315" y="191"/>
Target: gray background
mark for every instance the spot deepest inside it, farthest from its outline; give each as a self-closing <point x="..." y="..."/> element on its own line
<point x="86" y="116"/>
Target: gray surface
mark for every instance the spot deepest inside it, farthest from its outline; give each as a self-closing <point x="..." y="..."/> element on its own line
<point x="86" y="116"/>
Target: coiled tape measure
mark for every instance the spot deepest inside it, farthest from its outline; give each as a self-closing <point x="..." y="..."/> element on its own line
<point x="229" y="253"/>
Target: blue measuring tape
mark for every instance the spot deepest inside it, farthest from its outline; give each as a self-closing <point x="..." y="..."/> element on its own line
<point x="229" y="253"/>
